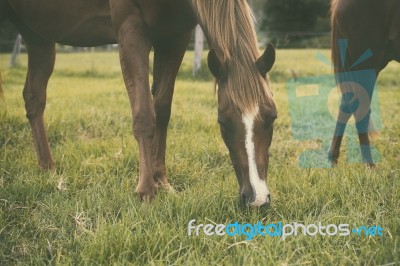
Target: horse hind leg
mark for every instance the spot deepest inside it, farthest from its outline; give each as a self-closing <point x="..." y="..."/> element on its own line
<point x="362" y="116"/>
<point x="363" y="127"/>
<point x="41" y="58"/>
<point x="342" y="119"/>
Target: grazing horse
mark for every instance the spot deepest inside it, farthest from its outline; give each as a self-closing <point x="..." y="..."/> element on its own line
<point x="365" y="24"/>
<point x="246" y="109"/>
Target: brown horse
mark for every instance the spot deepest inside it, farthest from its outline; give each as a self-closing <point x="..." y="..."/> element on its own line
<point x="365" y="24"/>
<point x="246" y="109"/>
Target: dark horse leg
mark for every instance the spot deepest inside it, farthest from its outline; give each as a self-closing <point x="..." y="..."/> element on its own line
<point x="341" y="123"/>
<point x="41" y="58"/>
<point x="362" y="114"/>
<point x="40" y="67"/>
<point x="168" y="55"/>
<point x="362" y="125"/>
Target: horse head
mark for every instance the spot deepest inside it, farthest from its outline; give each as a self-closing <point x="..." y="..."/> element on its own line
<point x="246" y="113"/>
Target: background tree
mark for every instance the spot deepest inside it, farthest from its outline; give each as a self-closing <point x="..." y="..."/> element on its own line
<point x="290" y="22"/>
<point x="257" y="6"/>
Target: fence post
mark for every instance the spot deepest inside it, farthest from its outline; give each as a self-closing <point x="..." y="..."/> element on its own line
<point x="16" y="51"/>
<point x="198" y="50"/>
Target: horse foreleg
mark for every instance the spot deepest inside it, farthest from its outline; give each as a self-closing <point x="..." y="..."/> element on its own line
<point x="40" y="67"/>
<point x="134" y="49"/>
<point x="168" y="55"/>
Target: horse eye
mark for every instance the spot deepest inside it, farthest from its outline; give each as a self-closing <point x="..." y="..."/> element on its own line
<point x="268" y="122"/>
<point x="269" y="119"/>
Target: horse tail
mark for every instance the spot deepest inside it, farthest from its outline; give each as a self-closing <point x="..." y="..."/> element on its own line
<point x="335" y="36"/>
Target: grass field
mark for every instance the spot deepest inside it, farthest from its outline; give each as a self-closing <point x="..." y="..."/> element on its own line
<point x="86" y="211"/>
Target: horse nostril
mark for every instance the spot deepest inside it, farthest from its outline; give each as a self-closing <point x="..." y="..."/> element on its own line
<point x="265" y="206"/>
<point x="267" y="202"/>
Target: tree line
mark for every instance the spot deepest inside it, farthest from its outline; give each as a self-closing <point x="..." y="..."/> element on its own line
<point x="296" y="23"/>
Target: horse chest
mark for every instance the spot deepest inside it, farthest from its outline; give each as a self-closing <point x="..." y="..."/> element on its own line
<point x="166" y="18"/>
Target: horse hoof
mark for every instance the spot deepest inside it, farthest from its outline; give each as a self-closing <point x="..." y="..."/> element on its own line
<point x="146" y="193"/>
<point x="146" y="199"/>
<point x="47" y="165"/>
<point x="333" y="159"/>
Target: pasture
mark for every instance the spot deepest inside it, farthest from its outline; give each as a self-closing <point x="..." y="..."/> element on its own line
<point x="86" y="212"/>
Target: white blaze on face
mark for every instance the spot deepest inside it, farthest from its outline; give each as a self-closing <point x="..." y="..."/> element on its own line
<point x="259" y="187"/>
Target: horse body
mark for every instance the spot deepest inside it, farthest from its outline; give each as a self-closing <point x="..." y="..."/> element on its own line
<point x="89" y="23"/>
<point x="138" y="26"/>
<point x="366" y="24"/>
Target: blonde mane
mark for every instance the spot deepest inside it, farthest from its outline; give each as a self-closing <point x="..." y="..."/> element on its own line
<point x="333" y="9"/>
<point x="229" y="26"/>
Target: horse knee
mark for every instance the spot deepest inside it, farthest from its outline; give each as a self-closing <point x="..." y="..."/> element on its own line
<point x="163" y="113"/>
<point x="144" y="125"/>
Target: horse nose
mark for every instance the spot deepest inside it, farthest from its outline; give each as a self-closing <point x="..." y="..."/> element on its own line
<point x="264" y="205"/>
<point x="250" y="201"/>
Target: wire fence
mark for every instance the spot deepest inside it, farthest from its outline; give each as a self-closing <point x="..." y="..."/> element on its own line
<point x="299" y="39"/>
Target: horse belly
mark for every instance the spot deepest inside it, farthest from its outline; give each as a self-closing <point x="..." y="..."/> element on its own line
<point x="72" y="22"/>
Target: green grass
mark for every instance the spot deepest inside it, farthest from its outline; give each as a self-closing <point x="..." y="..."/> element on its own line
<point x="86" y="211"/>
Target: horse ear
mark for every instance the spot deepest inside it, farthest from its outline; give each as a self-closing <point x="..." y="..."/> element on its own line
<point x="267" y="60"/>
<point x="214" y="64"/>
